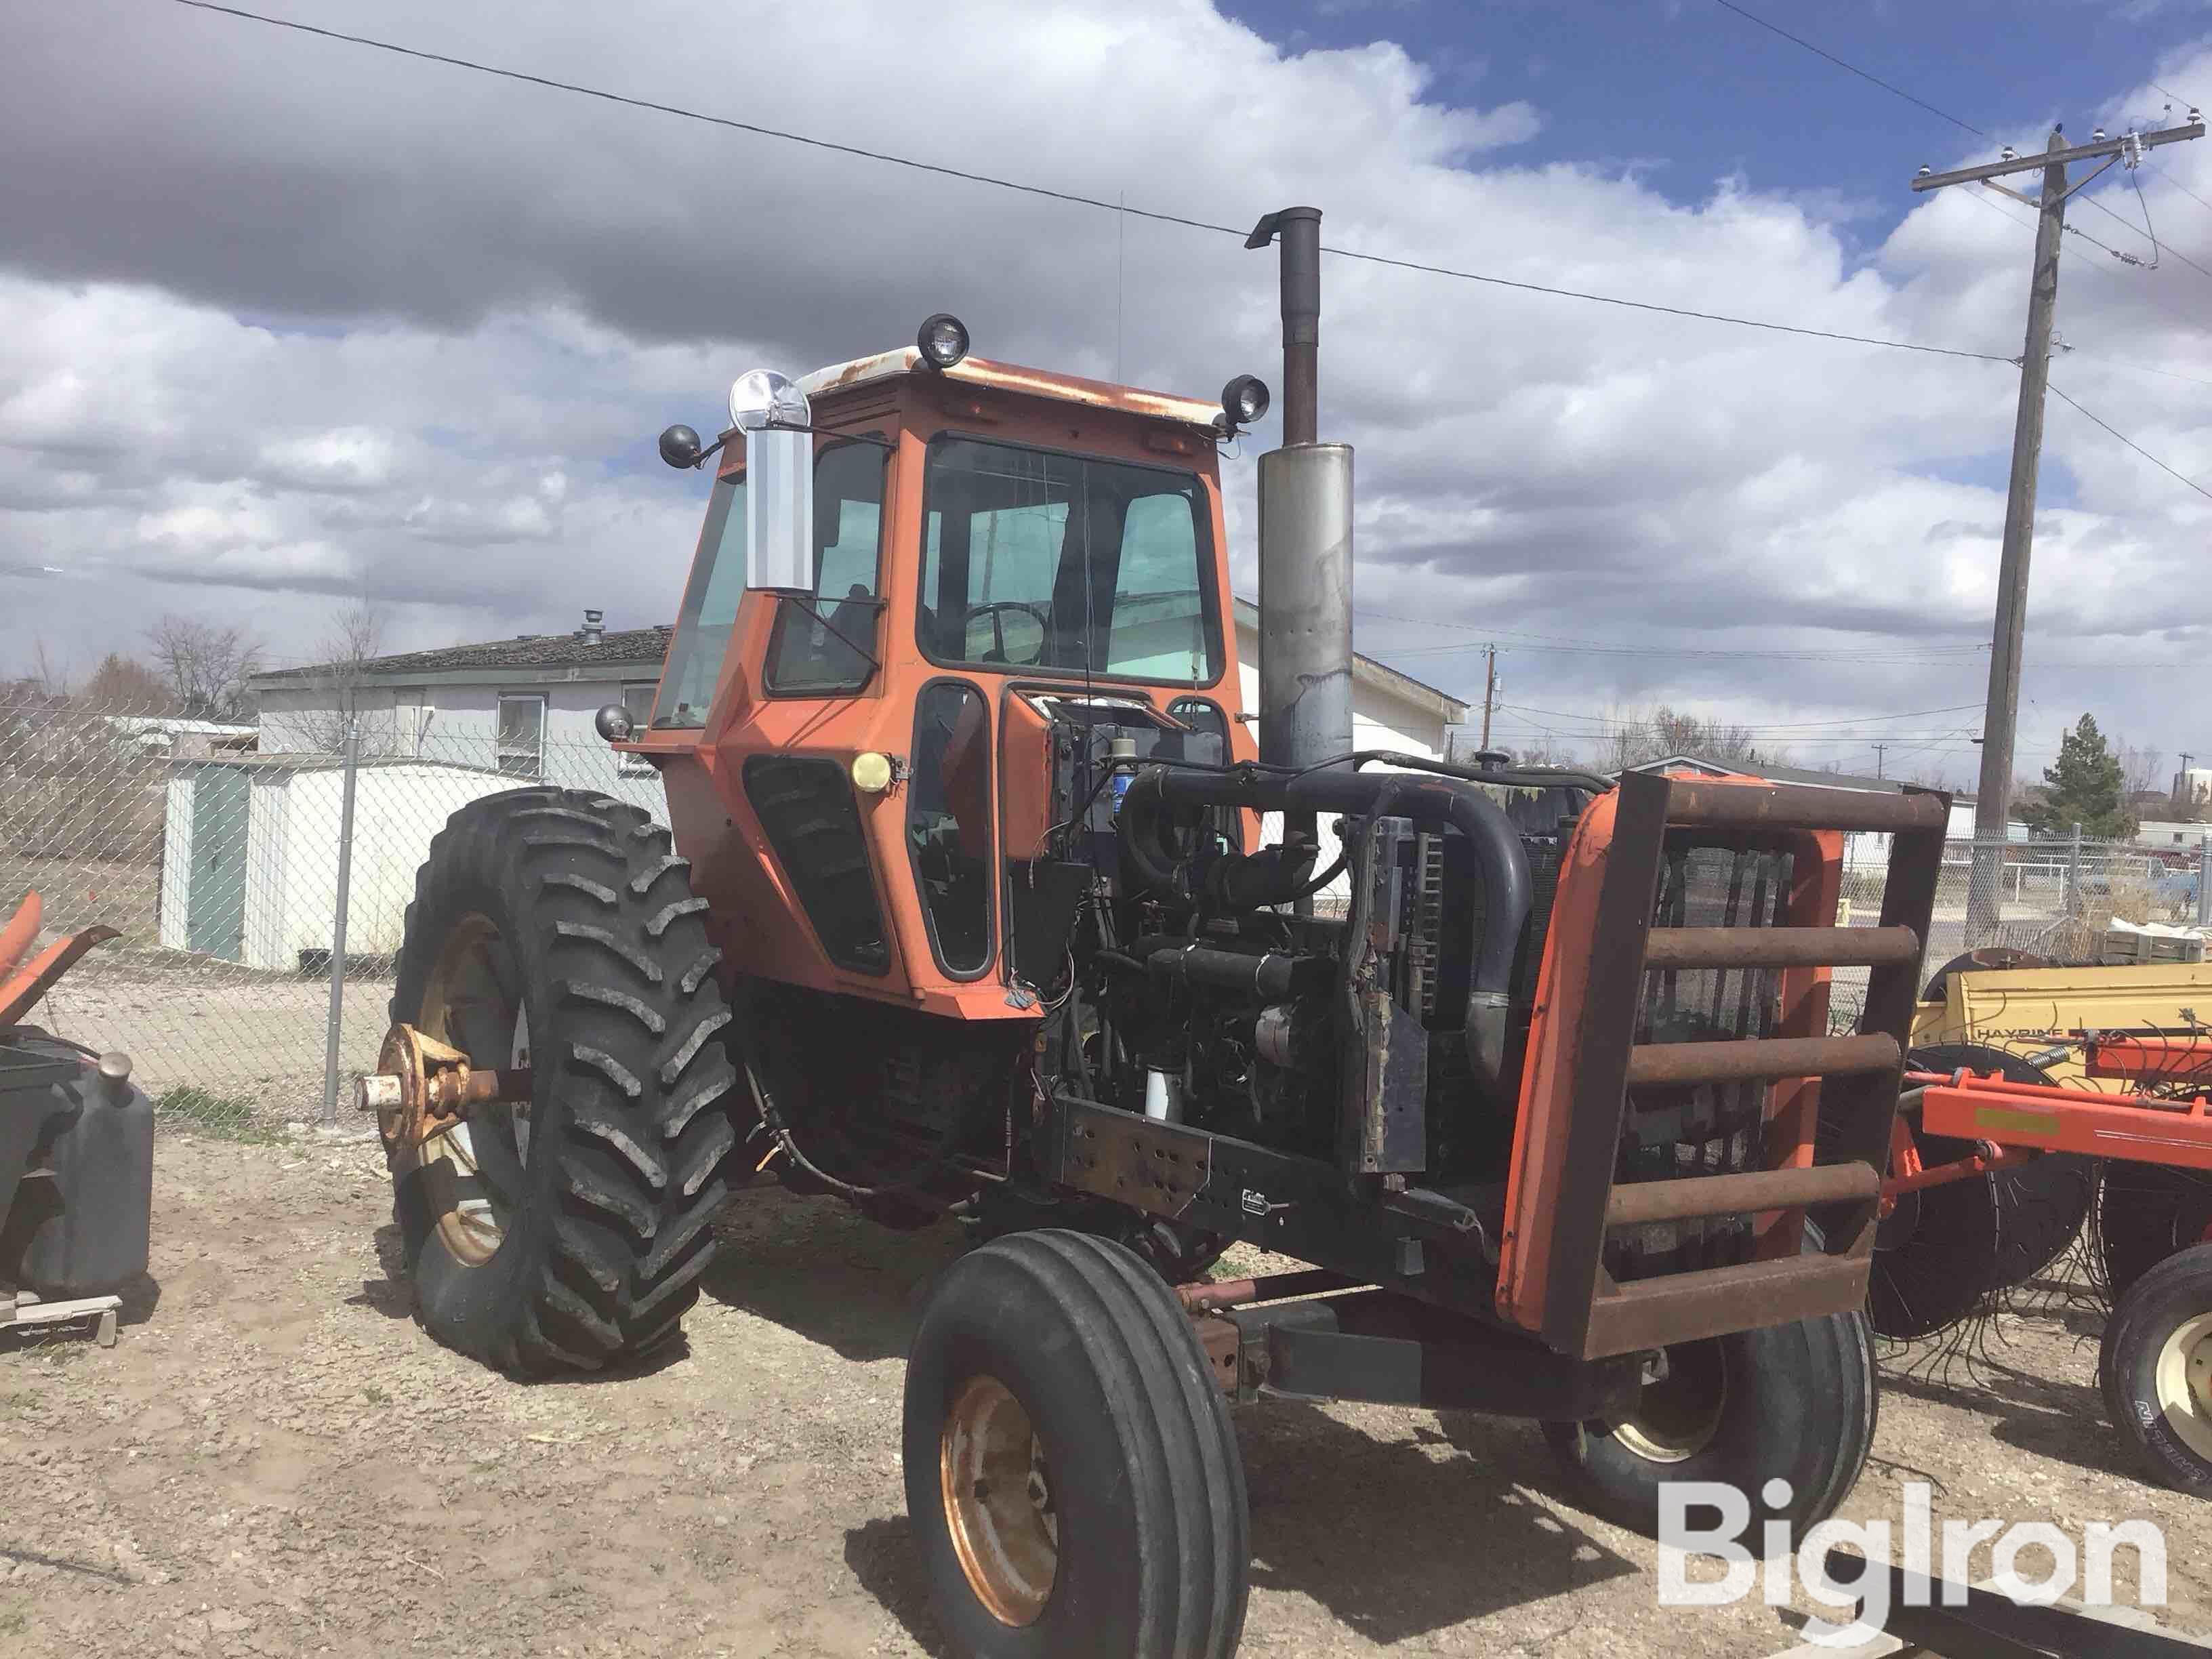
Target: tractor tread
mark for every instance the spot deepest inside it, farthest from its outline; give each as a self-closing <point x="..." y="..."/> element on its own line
<point x="606" y="940"/>
<point x="688" y="1050"/>
<point x="585" y="990"/>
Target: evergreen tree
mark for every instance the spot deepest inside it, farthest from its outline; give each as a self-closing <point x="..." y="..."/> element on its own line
<point x="2085" y="786"/>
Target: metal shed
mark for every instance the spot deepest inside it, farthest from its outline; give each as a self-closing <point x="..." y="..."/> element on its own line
<point x="250" y="852"/>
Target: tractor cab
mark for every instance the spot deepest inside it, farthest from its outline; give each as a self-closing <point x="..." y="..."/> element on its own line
<point x="937" y="603"/>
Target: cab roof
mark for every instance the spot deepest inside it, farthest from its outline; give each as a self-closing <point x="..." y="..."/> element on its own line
<point x="981" y="372"/>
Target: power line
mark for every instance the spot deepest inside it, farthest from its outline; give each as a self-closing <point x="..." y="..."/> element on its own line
<point x="2133" y="445"/>
<point x="1488" y="631"/>
<point x="1969" y="126"/>
<point x="1852" y="68"/>
<point x="2182" y="188"/>
<point x="1071" y="196"/>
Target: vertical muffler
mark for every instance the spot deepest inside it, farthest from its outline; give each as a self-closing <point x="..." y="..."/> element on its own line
<point x="1305" y="537"/>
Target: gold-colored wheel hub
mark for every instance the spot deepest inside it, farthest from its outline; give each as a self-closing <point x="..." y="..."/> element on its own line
<point x="2183" y="1382"/>
<point x="999" y="1501"/>
<point x="1677" y="1416"/>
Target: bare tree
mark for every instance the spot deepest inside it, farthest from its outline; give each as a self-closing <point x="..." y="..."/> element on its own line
<point x="1636" y="739"/>
<point x="208" y="664"/>
<point x="2141" y="768"/>
<point x="339" y="695"/>
<point x="126" y="685"/>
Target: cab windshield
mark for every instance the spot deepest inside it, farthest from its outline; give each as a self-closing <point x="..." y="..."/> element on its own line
<point x="1036" y="560"/>
<point x="710" y="611"/>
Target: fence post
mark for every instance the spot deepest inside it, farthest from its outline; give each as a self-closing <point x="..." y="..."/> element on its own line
<point x="2204" y="881"/>
<point x="339" y="927"/>
<point x="2074" y="906"/>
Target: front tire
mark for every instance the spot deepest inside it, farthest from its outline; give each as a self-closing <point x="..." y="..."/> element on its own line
<point x="1795" y="1402"/>
<point x="1071" y="1478"/>
<point x="2155" y="1370"/>
<point x="554" y="929"/>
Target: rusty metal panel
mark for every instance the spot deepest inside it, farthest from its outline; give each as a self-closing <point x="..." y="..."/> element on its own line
<point x="1649" y="1313"/>
<point x="1700" y="803"/>
<point x="1613" y="975"/>
<point x="1780" y="947"/>
<point x="1696" y="1197"/>
<point x="1159" y="1167"/>
<point x="1753" y="1060"/>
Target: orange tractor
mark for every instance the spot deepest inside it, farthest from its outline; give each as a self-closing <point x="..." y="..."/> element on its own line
<point x="965" y="910"/>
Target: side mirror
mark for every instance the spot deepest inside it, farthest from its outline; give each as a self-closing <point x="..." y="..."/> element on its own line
<point x="679" y="446"/>
<point x="779" y="511"/>
<point x="779" y="480"/>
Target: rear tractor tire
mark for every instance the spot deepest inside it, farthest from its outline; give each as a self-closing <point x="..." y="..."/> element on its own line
<point x="553" y="929"/>
<point x="1071" y="1478"/>
<point x="1792" y="1402"/>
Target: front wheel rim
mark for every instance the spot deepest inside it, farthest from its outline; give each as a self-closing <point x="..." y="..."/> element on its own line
<point x="2182" y="1383"/>
<point x="999" y="1503"/>
<point x="471" y="1000"/>
<point x="1677" y="1416"/>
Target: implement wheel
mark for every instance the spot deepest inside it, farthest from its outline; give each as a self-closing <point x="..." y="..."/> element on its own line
<point x="2155" y="1369"/>
<point x="2145" y="1213"/>
<point x="1071" y="1475"/>
<point x="553" y="933"/>
<point x="1794" y="1402"/>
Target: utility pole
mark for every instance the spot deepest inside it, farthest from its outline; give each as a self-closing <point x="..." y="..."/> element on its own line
<point x="2181" y="789"/>
<point x="1993" y="805"/>
<point x="1489" y="692"/>
<point x="1879" y="750"/>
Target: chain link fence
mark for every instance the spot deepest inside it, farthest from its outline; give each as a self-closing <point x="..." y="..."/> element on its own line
<point x="252" y="980"/>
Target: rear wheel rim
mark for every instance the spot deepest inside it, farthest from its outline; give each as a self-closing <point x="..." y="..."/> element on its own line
<point x="998" y="1503"/>
<point x="473" y="1000"/>
<point x="1677" y="1416"/>
<point x="2182" y="1381"/>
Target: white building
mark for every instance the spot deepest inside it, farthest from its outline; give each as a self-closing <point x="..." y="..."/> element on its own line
<point x="523" y="706"/>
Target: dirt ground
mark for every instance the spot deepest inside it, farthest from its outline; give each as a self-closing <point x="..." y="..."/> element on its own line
<point x="276" y="1460"/>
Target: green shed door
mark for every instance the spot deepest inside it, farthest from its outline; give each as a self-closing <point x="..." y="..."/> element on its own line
<point x="215" y="908"/>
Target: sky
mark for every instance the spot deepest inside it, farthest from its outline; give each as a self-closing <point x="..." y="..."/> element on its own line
<point x="286" y="322"/>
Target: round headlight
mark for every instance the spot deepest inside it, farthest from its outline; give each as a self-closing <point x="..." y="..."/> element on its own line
<point x="1244" y="399"/>
<point x="872" y="772"/>
<point x="679" y="446"/>
<point x="943" y="340"/>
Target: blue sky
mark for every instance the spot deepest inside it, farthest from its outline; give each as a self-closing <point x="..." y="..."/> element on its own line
<point x="1691" y="92"/>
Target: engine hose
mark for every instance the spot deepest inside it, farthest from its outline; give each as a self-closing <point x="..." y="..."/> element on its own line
<point x="781" y="1131"/>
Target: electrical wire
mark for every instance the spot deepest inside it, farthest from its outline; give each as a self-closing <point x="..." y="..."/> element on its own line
<point x="2133" y="445"/>
<point x="1943" y="115"/>
<point x="1854" y="69"/>
<point x="1073" y="197"/>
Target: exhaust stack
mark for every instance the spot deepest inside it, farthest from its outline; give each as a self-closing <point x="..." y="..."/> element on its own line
<point x="1306" y="534"/>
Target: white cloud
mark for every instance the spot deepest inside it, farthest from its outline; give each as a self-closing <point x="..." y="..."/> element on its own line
<point x="295" y="320"/>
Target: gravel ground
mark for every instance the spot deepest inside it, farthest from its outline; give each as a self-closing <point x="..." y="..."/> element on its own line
<point x="276" y="1460"/>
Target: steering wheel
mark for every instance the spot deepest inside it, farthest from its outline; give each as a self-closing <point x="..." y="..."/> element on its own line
<point x="995" y="610"/>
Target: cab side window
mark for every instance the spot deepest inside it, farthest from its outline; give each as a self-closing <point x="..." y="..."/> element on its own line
<point x="829" y="643"/>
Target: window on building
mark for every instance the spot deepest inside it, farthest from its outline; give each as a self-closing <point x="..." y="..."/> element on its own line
<point x="522" y="735"/>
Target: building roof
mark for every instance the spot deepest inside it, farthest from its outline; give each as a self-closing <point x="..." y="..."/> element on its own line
<point x="616" y="651"/>
<point x="638" y="652"/>
<point x="1380" y="675"/>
